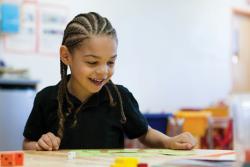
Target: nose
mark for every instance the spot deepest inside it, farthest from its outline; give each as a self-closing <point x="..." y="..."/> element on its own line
<point x="102" y="70"/>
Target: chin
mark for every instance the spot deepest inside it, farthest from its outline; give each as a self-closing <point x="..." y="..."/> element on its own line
<point x="95" y="90"/>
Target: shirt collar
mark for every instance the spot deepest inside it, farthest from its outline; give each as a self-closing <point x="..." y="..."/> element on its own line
<point x="94" y="100"/>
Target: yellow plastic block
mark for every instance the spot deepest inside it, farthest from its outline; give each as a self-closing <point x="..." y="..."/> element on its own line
<point x="126" y="161"/>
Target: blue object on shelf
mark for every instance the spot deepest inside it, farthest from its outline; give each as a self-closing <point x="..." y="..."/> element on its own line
<point x="158" y="121"/>
<point x="2" y="64"/>
<point x="9" y="18"/>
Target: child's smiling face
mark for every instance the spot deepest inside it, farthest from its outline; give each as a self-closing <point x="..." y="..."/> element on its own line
<point x="92" y="63"/>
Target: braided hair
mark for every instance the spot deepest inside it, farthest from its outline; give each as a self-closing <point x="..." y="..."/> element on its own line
<point x="82" y="27"/>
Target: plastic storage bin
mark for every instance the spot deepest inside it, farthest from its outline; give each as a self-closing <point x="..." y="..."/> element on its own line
<point x="158" y="121"/>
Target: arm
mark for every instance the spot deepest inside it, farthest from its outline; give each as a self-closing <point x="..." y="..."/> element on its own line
<point x="29" y="145"/>
<point x="154" y="138"/>
<point x="137" y="125"/>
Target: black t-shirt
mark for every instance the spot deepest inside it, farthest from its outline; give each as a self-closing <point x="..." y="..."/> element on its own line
<point x="98" y="124"/>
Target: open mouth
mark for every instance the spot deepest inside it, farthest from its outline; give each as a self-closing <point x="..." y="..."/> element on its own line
<point x="97" y="82"/>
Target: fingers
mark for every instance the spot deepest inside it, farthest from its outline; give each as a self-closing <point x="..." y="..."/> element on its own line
<point x="54" y="140"/>
<point x="182" y="146"/>
<point x="48" y="142"/>
<point x="186" y="137"/>
<point x="184" y="141"/>
<point x="43" y="144"/>
<point x="38" y="148"/>
<point x="190" y="139"/>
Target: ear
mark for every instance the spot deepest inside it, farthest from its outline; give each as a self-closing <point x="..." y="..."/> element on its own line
<point x="65" y="55"/>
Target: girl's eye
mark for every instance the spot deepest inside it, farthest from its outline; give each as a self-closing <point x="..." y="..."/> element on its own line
<point x="92" y="62"/>
<point x="111" y="63"/>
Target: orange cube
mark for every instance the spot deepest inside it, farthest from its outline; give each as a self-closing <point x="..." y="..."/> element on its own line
<point x="19" y="158"/>
<point x="7" y="159"/>
<point x="11" y="158"/>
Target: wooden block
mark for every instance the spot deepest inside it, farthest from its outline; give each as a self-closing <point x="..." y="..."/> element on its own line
<point x="142" y="165"/>
<point x="11" y="158"/>
<point x="7" y="159"/>
<point x="19" y="158"/>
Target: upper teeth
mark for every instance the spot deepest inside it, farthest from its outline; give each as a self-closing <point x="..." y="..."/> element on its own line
<point x="97" y="80"/>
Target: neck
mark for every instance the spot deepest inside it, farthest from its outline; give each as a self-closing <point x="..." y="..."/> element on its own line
<point x="76" y="90"/>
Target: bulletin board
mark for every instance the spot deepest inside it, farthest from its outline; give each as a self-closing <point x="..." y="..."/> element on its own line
<point x="41" y="29"/>
<point x="52" y="21"/>
<point x="26" y="39"/>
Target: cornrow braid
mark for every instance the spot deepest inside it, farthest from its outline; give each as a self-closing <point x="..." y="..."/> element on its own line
<point x="123" y="116"/>
<point x="111" y="99"/>
<point x="82" y="27"/>
<point x="60" y="98"/>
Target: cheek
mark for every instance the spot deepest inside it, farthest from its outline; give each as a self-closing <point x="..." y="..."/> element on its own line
<point x="81" y="71"/>
<point x="84" y="69"/>
<point x="111" y="71"/>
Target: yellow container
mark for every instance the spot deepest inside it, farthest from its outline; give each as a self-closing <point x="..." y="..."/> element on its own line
<point x="195" y="122"/>
<point x="218" y="111"/>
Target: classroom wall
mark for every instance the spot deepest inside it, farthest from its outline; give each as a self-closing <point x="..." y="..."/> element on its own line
<point x="172" y="53"/>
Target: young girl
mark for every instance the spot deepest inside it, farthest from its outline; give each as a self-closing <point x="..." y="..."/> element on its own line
<point x="85" y="110"/>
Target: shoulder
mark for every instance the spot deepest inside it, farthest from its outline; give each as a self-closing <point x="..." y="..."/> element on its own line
<point x="126" y="94"/>
<point x="123" y="89"/>
<point x="47" y="93"/>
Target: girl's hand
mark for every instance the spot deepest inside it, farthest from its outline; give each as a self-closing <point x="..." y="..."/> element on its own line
<point x="184" y="141"/>
<point x="48" y="142"/>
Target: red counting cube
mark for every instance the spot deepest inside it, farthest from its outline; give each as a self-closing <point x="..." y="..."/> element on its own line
<point x="142" y="165"/>
<point x="7" y="159"/>
<point x="19" y="159"/>
<point x="247" y="156"/>
<point x="11" y="158"/>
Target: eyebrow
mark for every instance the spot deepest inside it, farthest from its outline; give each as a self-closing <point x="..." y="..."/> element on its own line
<point x="98" y="57"/>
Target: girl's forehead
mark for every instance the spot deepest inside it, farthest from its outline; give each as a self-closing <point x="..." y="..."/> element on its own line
<point x="99" y="45"/>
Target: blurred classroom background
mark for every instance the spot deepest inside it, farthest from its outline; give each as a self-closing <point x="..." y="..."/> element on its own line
<point x="184" y="61"/>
